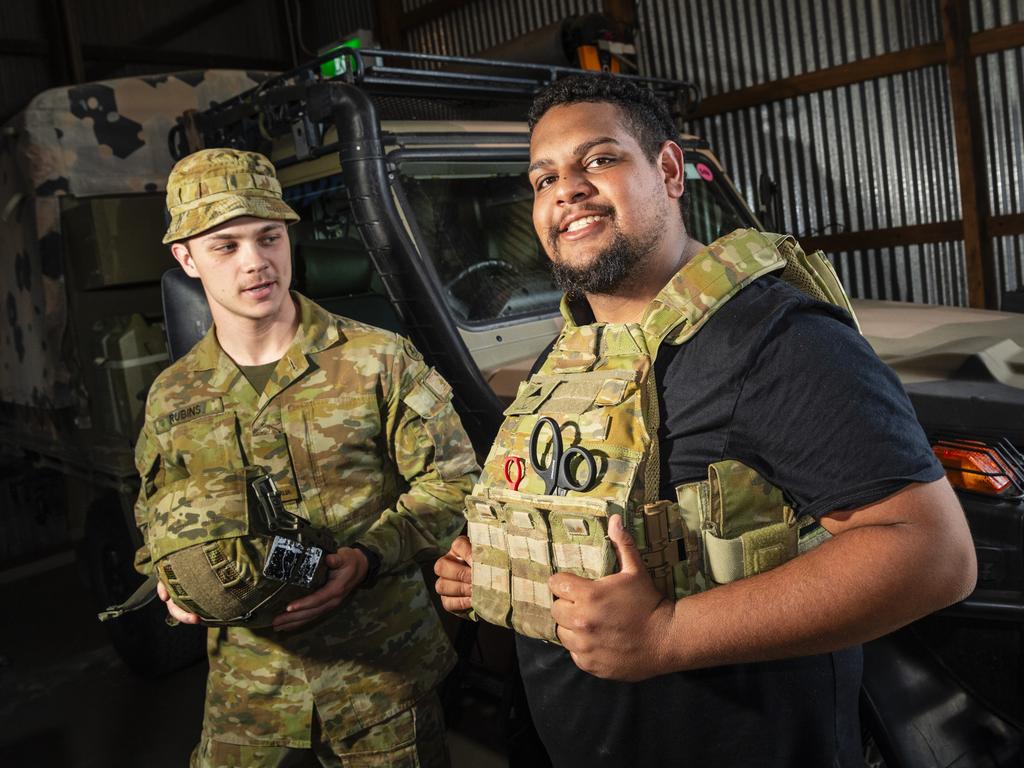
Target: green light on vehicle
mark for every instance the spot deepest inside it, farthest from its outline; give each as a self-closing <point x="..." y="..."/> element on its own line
<point x="340" y="64"/>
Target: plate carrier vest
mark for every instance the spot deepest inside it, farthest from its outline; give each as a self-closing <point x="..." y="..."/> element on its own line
<point x="597" y="384"/>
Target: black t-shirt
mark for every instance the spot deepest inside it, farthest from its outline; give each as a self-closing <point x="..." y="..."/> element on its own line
<point x="786" y="385"/>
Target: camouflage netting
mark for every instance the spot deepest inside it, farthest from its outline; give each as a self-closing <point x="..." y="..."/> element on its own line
<point x="104" y="138"/>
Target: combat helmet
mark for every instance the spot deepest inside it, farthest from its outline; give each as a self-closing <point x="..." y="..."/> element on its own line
<point x="227" y="550"/>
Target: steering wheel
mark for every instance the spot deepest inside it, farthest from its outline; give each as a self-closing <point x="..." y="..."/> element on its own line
<point x="504" y="266"/>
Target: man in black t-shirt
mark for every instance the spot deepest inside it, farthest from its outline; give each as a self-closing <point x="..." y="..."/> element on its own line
<point x="764" y="670"/>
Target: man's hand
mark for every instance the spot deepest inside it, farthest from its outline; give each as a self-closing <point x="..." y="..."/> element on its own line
<point x="176" y="613"/>
<point x="455" y="577"/>
<point x="616" y="627"/>
<point x="348" y="568"/>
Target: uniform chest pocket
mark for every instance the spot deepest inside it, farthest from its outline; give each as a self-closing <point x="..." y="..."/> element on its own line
<point x="336" y="448"/>
<point x="207" y="443"/>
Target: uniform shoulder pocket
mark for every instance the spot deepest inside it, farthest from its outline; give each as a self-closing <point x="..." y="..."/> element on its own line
<point x="430" y="398"/>
<point x="429" y="395"/>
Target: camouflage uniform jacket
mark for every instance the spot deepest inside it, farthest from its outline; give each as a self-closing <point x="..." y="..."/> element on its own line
<point x="361" y="437"/>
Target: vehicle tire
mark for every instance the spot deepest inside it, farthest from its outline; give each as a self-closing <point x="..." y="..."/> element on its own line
<point x="142" y="638"/>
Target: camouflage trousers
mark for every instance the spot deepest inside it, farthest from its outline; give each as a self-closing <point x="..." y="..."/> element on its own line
<point x="414" y="738"/>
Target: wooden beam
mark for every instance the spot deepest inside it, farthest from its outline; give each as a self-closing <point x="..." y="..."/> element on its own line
<point x="1006" y="225"/>
<point x="38" y="48"/>
<point x="998" y="39"/>
<point x="982" y="288"/>
<point x="388" y="30"/>
<point x="820" y="80"/>
<point x="989" y="41"/>
<point x="918" y="234"/>
<point x="874" y="239"/>
<point x="435" y="9"/>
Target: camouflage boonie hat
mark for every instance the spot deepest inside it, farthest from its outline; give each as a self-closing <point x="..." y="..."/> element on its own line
<point x="212" y="186"/>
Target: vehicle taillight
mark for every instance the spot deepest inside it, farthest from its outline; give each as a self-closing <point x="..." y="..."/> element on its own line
<point x="990" y="468"/>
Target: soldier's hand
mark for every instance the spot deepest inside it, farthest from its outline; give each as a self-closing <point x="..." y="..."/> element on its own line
<point x="348" y="568"/>
<point x="455" y="577"/>
<point x="616" y="627"/>
<point x="176" y="613"/>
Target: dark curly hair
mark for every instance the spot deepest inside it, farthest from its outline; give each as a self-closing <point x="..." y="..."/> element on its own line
<point x="644" y="114"/>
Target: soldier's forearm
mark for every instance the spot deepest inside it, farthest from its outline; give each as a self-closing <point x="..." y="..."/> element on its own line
<point x="421" y="525"/>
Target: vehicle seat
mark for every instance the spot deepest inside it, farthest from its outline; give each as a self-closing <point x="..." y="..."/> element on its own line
<point x="186" y="315"/>
<point x="337" y="274"/>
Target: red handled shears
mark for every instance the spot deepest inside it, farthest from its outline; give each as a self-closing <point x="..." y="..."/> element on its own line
<point x="515" y="471"/>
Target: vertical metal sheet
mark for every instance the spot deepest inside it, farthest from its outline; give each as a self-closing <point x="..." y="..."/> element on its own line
<point x="986" y="14"/>
<point x="487" y="23"/>
<point x="745" y="42"/>
<point x="1000" y="83"/>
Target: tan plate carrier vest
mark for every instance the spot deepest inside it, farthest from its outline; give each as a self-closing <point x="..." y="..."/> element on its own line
<point x="597" y="384"/>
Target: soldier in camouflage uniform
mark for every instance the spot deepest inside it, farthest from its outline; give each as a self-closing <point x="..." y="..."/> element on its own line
<point x="360" y="437"/>
<point x="763" y="397"/>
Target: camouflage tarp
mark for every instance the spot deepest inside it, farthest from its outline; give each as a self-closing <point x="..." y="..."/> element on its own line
<point x="104" y="138"/>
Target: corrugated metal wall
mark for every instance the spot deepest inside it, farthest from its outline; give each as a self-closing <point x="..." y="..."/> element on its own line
<point x="1001" y="88"/>
<point x="873" y="155"/>
<point x="482" y="25"/>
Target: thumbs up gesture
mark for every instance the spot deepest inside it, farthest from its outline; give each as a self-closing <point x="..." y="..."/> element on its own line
<point x="618" y="627"/>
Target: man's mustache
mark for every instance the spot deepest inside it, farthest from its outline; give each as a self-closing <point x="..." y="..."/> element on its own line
<point x="599" y="210"/>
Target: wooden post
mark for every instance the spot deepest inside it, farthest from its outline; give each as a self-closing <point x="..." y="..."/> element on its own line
<point x="982" y="285"/>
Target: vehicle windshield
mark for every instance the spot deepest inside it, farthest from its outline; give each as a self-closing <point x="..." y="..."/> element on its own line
<point x="474" y="222"/>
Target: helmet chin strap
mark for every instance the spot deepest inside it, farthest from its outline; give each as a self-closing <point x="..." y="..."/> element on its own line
<point x="140" y="598"/>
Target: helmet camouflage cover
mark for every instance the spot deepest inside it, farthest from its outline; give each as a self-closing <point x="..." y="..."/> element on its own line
<point x="212" y="186"/>
<point x="246" y="562"/>
<point x="231" y="553"/>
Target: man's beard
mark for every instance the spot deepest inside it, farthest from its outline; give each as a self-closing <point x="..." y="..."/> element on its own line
<point x="614" y="268"/>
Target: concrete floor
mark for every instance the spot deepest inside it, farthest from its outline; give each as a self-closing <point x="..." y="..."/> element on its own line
<point x="67" y="701"/>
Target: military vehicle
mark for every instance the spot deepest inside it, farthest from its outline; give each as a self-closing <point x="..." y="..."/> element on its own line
<point x="409" y="172"/>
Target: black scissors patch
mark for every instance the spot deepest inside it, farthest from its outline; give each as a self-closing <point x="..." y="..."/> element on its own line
<point x="561" y="475"/>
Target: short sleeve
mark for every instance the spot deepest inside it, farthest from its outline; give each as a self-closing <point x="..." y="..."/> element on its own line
<point x="823" y="418"/>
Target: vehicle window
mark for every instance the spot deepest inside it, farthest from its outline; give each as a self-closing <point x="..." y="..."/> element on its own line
<point x="478" y="229"/>
<point x="712" y="209"/>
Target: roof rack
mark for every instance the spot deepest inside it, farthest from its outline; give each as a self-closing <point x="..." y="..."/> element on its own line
<point x="284" y="103"/>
